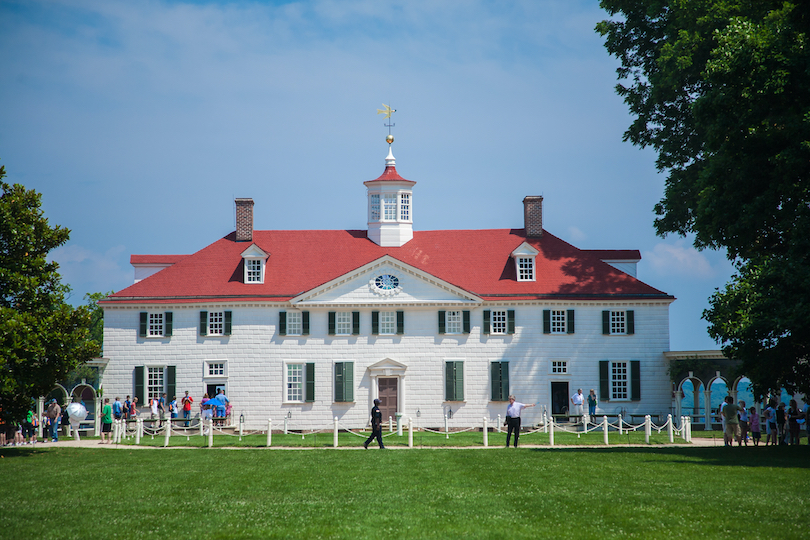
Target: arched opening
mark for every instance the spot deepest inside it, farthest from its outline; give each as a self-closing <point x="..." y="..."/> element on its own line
<point x="718" y="390"/>
<point x="692" y="400"/>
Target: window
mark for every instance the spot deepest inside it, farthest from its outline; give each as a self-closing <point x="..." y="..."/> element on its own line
<point x="618" y="322"/>
<point x="216" y="323"/>
<point x="499" y="321"/>
<point x="344" y="323"/>
<point x="253" y="271"/>
<point x="155" y="324"/>
<point x="454" y="322"/>
<point x="620" y="380"/>
<point x="216" y="369"/>
<point x="525" y="267"/>
<point x="387" y="322"/>
<point x="293" y="323"/>
<point x="405" y="207"/>
<point x="300" y="382"/>
<point x="454" y="380"/>
<point x="375" y="207"/>
<point x="344" y="382"/>
<point x="559" y="367"/>
<point x="390" y="207"/>
<point x="499" y="377"/>
<point x="154" y="383"/>
<point x="558" y="321"/>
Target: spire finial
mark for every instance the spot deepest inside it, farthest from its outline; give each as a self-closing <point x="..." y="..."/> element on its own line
<point x="388" y="111"/>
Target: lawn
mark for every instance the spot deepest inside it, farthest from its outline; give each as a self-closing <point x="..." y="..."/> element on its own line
<point x="650" y="492"/>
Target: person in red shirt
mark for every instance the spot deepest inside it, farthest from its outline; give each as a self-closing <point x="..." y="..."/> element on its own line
<point x="187" y="401"/>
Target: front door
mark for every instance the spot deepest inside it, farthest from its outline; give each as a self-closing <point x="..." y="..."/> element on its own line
<point x="559" y="398"/>
<point x="387" y="391"/>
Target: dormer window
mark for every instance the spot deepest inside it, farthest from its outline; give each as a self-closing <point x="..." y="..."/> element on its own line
<point x="525" y="256"/>
<point x="255" y="259"/>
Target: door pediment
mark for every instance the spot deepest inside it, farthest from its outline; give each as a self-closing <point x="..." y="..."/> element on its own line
<point x="387" y="368"/>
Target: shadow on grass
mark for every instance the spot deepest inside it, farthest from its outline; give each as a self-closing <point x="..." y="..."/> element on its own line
<point x="748" y="456"/>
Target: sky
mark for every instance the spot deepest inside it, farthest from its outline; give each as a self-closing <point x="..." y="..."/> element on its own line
<point x="140" y="122"/>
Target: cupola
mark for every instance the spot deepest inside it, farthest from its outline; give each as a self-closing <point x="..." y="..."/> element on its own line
<point x="390" y="205"/>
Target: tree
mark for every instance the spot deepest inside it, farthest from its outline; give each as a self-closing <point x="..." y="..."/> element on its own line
<point x="42" y="338"/>
<point x="721" y="90"/>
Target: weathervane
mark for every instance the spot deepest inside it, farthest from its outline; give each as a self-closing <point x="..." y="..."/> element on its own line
<point x="387" y="111"/>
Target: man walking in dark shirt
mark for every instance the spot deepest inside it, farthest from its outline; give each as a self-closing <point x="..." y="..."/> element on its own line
<point x="376" y="425"/>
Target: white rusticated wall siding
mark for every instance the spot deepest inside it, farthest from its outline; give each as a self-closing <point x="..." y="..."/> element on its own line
<point x="256" y="354"/>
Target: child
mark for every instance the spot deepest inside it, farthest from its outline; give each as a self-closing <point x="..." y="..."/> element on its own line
<point x="753" y="424"/>
<point x="743" y="423"/>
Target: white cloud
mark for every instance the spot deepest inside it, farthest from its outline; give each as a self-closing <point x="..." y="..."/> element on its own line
<point x="679" y="259"/>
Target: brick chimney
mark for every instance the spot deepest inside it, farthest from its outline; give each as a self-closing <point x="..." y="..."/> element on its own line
<point x="533" y="216"/>
<point x="244" y="220"/>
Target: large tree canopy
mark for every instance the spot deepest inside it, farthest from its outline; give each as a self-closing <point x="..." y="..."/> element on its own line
<point x="721" y="89"/>
<point x="42" y="338"/>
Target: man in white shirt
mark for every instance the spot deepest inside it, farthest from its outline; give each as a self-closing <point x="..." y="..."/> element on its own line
<point x="577" y="400"/>
<point x="513" y="411"/>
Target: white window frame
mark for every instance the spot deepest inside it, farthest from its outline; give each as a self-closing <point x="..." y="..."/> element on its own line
<point x="453" y="322"/>
<point x="212" y="367"/>
<point x="498" y="322"/>
<point x="619" y="380"/>
<point x="374" y="212"/>
<point x="387" y="323"/>
<point x="295" y="323"/>
<point x="294" y="382"/>
<point x="618" y="322"/>
<point x="155" y="382"/>
<point x="559" y="321"/>
<point x="525" y="268"/>
<point x="156" y="325"/>
<point x="343" y="323"/>
<point x="405" y="207"/>
<point x="558" y="367"/>
<point x="216" y="323"/>
<point x="254" y="271"/>
<point x="389" y="206"/>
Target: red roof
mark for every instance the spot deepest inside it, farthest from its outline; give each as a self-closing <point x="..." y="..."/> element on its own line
<point x="478" y="261"/>
<point x="390" y="174"/>
<point x="156" y="259"/>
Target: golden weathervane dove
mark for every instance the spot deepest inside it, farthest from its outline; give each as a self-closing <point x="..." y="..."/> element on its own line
<point x="387" y="111"/>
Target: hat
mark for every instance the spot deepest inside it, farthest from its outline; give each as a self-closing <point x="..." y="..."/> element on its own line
<point x="377" y="402"/>
<point x="53" y="400"/>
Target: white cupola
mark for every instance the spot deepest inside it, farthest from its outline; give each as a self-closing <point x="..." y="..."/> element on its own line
<point x="390" y="205"/>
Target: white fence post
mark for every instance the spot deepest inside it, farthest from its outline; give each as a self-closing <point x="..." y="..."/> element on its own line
<point x="498" y="427"/>
<point x="545" y="422"/>
<point x="486" y="433"/>
<point x="551" y="431"/>
<point x="241" y="426"/>
<point x="410" y="432"/>
<point x="390" y="424"/>
<point x="138" y="431"/>
<point x="269" y="431"/>
<point x="605" y="428"/>
<point x="168" y="432"/>
<point x="647" y="429"/>
<point x="210" y="432"/>
<point x="285" y="425"/>
<point x="620" y="424"/>
<point x="335" y="439"/>
<point x="446" y="431"/>
<point x="669" y="429"/>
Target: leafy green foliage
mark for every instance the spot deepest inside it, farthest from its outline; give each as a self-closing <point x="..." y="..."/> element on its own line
<point x="41" y="337"/>
<point x="721" y="89"/>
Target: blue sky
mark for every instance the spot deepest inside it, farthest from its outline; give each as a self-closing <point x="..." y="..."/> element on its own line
<point x="139" y="122"/>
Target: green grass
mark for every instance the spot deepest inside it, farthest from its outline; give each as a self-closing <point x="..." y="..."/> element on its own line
<point x="650" y="492"/>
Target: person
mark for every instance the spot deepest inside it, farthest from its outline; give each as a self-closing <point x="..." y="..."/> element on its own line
<point x="54" y="414"/>
<point x="154" y="405"/>
<point x="793" y="421"/>
<point x="187" y="401"/>
<point x="592" y="403"/>
<point x="117" y="409"/>
<point x="222" y="401"/>
<point x="127" y="406"/>
<point x="577" y="401"/>
<point x="513" y="411"/>
<point x="754" y="425"/>
<point x="133" y="408"/>
<point x="173" y="407"/>
<point x="162" y="406"/>
<point x="723" y="417"/>
<point x="106" y="421"/>
<point x="28" y="427"/>
<point x="732" y="432"/>
<point x="806" y="412"/>
<point x="743" y="423"/>
<point x="34" y="422"/>
<point x="781" y="420"/>
<point x="770" y="423"/>
<point x="376" y="426"/>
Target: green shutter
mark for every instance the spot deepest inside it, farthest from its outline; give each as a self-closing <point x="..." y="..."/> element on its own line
<point x="375" y="322"/>
<point x="305" y="323"/>
<point x="339" y="381"/>
<point x="466" y="321"/>
<point x="635" y="380"/>
<point x="203" y="323"/>
<point x="630" y="320"/>
<point x="441" y="322"/>
<point x="499" y="374"/>
<point x="344" y="381"/>
<point x="570" y="321"/>
<point x="282" y="323"/>
<point x="355" y="323"/>
<point x="400" y="322"/>
<point x="310" y="383"/>
<point x="546" y="321"/>
<point x="606" y="322"/>
<point x="143" y="322"/>
<point x="510" y="321"/>
<point x="228" y="323"/>
<point x="454" y="381"/>
<point x="604" y="380"/>
<point x="331" y="325"/>
<point x="171" y="382"/>
<point x="167" y="324"/>
<point x="139" y="377"/>
<point x="486" y="321"/>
